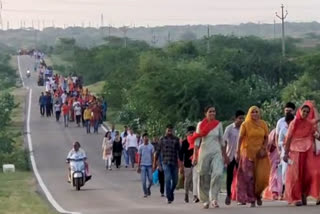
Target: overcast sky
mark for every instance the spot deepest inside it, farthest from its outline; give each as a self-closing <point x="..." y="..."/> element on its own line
<point x="154" y="12"/>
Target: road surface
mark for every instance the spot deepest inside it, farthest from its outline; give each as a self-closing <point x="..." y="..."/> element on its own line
<point x="111" y="192"/>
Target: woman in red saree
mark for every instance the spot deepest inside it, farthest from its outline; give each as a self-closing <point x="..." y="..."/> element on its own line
<point x="303" y="174"/>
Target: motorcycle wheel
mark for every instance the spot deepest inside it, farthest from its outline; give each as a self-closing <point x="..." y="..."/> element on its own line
<point x="77" y="183"/>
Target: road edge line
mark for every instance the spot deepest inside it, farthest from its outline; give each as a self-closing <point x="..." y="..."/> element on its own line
<point x="44" y="188"/>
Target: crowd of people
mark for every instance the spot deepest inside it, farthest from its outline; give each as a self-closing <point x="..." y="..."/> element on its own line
<point x="281" y="164"/>
<point x="65" y="96"/>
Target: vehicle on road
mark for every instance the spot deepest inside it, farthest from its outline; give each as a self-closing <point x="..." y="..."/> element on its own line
<point x="28" y="73"/>
<point x="77" y="172"/>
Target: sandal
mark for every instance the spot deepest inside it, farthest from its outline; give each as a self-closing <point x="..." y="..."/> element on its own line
<point x="215" y="204"/>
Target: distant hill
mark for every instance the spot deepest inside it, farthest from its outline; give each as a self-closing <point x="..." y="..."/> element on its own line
<point x="157" y="36"/>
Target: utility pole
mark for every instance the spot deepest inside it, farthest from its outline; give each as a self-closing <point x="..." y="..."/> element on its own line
<point x="124" y="30"/>
<point x="274" y="29"/>
<point x="169" y="38"/>
<point x="283" y="17"/>
<point x="1" y="21"/>
<point x="102" y="20"/>
<point x="208" y="40"/>
<point x="109" y="30"/>
<point x="154" y="39"/>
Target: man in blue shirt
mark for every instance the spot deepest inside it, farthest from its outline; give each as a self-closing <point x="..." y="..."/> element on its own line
<point x="42" y="103"/>
<point x="146" y="151"/>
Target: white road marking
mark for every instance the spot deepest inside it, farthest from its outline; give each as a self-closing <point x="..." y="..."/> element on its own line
<point x="44" y="188"/>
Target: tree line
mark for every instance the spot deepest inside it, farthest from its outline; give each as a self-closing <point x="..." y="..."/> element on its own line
<point x="150" y="87"/>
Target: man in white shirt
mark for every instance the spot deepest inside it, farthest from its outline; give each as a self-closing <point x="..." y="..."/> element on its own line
<point x="132" y="145"/>
<point x="77" y="153"/>
<point x="231" y="136"/>
<point x="289" y="108"/>
<point x="64" y="97"/>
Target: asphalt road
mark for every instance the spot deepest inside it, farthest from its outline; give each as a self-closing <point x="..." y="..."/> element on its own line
<point x="117" y="191"/>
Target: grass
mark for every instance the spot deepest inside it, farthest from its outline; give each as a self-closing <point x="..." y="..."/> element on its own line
<point x="18" y="195"/>
<point x="96" y="88"/>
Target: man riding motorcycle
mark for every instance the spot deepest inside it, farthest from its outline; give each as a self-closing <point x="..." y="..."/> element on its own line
<point x="28" y="73"/>
<point x="75" y="153"/>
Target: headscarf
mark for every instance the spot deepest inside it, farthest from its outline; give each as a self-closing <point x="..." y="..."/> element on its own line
<point x="249" y="119"/>
<point x="304" y="127"/>
<point x="205" y="128"/>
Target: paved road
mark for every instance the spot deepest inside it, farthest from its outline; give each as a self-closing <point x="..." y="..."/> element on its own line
<point x="118" y="191"/>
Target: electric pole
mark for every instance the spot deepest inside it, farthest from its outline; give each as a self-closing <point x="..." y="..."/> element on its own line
<point x="102" y="20"/>
<point x="153" y="39"/>
<point x="274" y="29"/>
<point x="169" y="38"/>
<point x="124" y="30"/>
<point x="1" y="21"/>
<point x="283" y="17"/>
<point x="208" y="40"/>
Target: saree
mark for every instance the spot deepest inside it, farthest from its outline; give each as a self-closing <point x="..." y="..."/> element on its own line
<point x="303" y="173"/>
<point x="274" y="189"/>
<point x="253" y="172"/>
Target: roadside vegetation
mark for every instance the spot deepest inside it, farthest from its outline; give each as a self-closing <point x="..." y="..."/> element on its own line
<point x="18" y="190"/>
<point x="148" y="87"/>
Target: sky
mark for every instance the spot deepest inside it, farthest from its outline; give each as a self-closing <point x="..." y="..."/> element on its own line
<point x="152" y="12"/>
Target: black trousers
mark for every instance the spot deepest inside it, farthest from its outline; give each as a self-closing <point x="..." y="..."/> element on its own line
<point x="161" y="181"/>
<point x="117" y="160"/>
<point x="48" y="110"/>
<point x="230" y="169"/>
<point x="58" y="113"/>
<point x="78" y="118"/>
<point x="42" y="109"/>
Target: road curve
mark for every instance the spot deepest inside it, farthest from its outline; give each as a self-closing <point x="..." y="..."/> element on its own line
<point x="112" y="192"/>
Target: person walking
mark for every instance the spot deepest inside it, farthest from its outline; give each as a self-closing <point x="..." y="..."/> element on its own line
<point x="87" y="118"/>
<point x="42" y="103"/>
<point x="155" y="144"/>
<point x="77" y="112"/>
<point x="124" y="135"/>
<point x="96" y="111"/>
<point x="146" y="151"/>
<point x="254" y="165"/>
<point x="65" y="111"/>
<point x="185" y="157"/>
<point x="210" y="158"/>
<point x="303" y="173"/>
<point x="107" y="146"/>
<point x="230" y="137"/>
<point x="169" y="150"/>
<point x="48" y="104"/>
<point x="57" y="109"/>
<point x="132" y="145"/>
<point x="117" y="149"/>
<point x="283" y="165"/>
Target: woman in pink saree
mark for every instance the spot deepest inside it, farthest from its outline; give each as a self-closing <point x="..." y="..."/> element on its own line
<point x="303" y="173"/>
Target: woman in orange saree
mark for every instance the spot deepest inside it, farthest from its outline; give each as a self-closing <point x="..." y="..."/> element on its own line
<point x="303" y="174"/>
<point x="254" y="164"/>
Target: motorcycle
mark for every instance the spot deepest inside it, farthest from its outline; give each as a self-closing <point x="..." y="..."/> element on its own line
<point x="77" y="172"/>
<point x="28" y="75"/>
